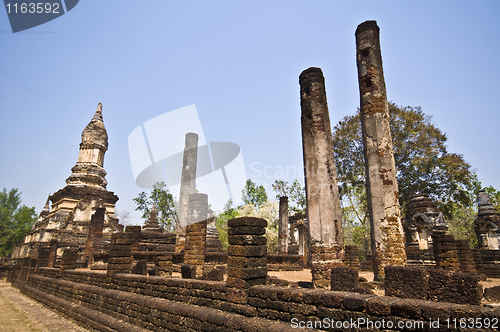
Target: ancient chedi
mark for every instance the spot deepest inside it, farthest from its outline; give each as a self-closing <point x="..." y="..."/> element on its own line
<point x="487" y="223"/>
<point x="423" y="222"/>
<point x="381" y="184"/>
<point x="74" y="207"/>
<point x="323" y="201"/>
<point x="423" y="218"/>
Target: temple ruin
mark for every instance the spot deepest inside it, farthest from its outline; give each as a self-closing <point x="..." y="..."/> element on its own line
<point x="78" y="260"/>
<point x="82" y="214"/>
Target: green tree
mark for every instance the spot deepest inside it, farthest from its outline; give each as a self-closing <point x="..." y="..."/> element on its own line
<point x="295" y="193"/>
<point x="228" y="212"/>
<point x="165" y="205"/>
<point x="355" y="220"/>
<point x="15" y="220"/>
<point x="423" y="164"/>
<point x="461" y="224"/>
<point x="253" y="194"/>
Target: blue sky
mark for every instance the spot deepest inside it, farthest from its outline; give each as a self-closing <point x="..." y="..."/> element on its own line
<point x="238" y="62"/>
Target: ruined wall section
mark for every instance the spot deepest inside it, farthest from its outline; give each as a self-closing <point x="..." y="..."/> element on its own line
<point x="134" y="302"/>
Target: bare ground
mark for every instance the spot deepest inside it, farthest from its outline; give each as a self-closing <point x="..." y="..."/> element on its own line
<point x="20" y="313"/>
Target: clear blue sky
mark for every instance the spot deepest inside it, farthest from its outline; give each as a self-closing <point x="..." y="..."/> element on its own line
<point x="238" y="62"/>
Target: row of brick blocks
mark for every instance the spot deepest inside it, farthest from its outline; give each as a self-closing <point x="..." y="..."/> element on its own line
<point x="456" y="255"/>
<point x="415" y="283"/>
<point x="247" y="261"/>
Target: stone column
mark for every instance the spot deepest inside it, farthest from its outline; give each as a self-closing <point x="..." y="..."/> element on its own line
<point x="196" y="232"/>
<point x="188" y="187"/>
<point x="301" y="240"/>
<point x="381" y="184"/>
<point x="283" y="226"/>
<point x="323" y="202"/>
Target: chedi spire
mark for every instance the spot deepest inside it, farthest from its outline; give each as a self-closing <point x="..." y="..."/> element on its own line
<point x="89" y="170"/>
<point x="152" y="224"/>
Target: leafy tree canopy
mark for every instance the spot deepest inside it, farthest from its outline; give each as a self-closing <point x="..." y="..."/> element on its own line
<point x="165" y="205"/>
<point x="422" y="160"/>
<point x="253" y="194"/>
<point x="295" y="193"/>
<point x="15" y="220"/>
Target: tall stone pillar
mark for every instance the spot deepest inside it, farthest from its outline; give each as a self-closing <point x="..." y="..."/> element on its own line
<point x="283" y="226"/>
<point x="188" y="187"/>
<point x="381" y="184"/>
<point x="323" y="202"/>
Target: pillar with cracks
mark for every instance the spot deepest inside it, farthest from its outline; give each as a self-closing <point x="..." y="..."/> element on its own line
<point x="188" y="187"/>
<point x="381" y="184"/>
<point x="323" y="202"/>
<point x="283" y="226"/>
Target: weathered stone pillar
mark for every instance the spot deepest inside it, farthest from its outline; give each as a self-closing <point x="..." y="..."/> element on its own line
<point x="301" y="241"/>
<point x="381" y="184"/>
<point x="188" y="187"/>
<point x="323" y="202"/>
<point x="283" y="226"/>
<point x="196" y="232"/>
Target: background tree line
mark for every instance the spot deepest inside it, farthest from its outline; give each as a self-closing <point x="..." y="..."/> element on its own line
<point x="15" y="220"/>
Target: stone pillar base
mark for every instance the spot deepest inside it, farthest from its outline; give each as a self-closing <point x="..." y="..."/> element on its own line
<point x="324" y="258"/>
<point x="194" y="250"/>
<point x="247" y="257"/>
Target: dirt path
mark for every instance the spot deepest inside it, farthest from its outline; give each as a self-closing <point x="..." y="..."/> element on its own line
<point x="20" y="313"/>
